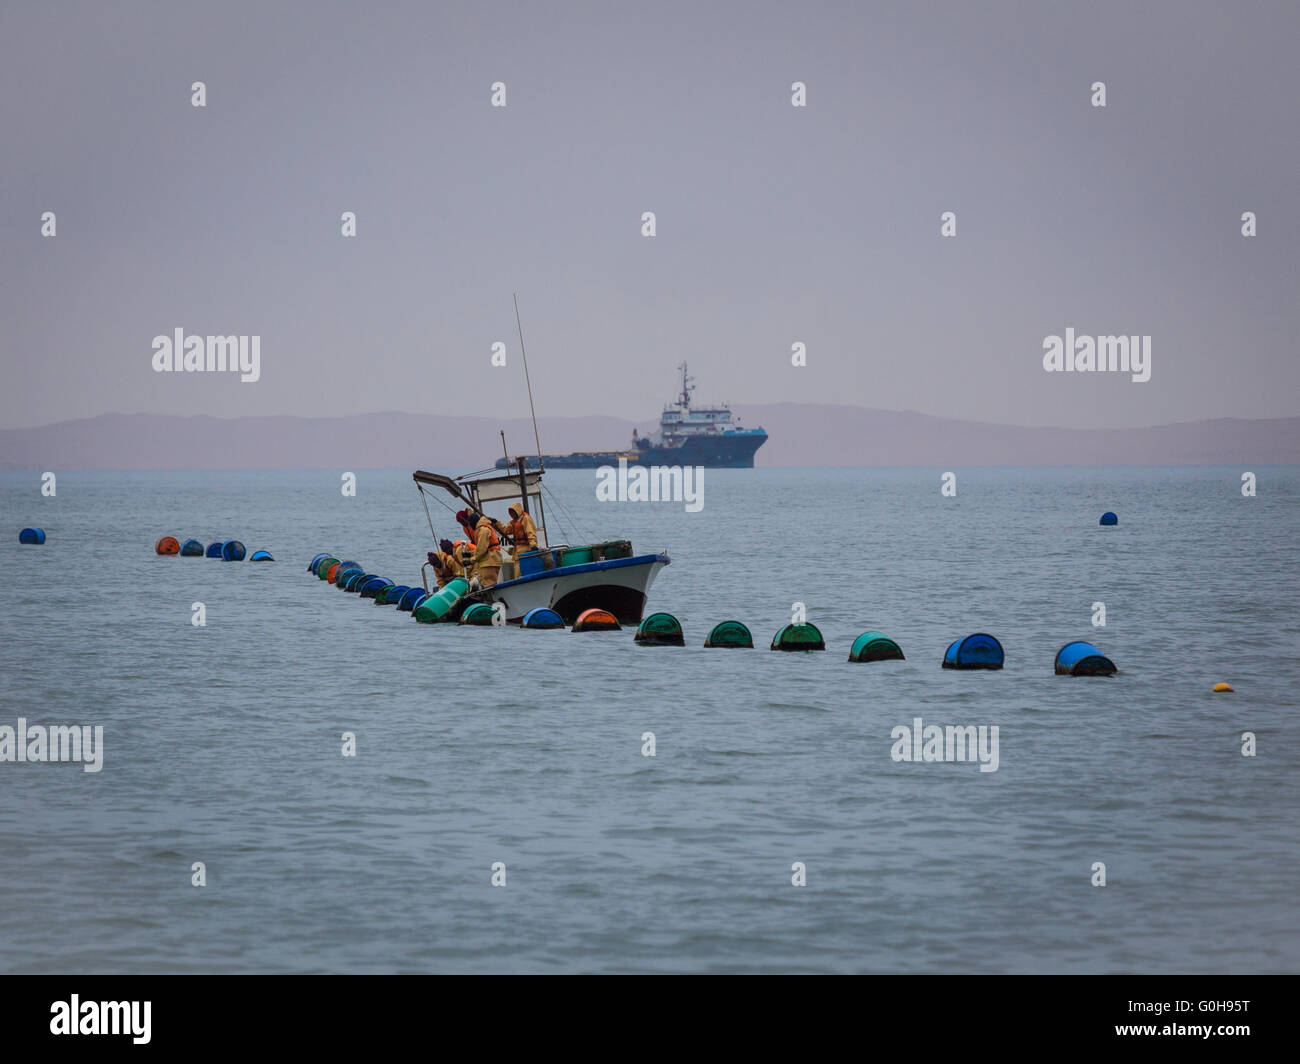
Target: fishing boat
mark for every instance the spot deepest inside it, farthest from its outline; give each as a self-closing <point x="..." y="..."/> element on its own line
<point x="562" y="577"/>
<point x="565" y="578"/>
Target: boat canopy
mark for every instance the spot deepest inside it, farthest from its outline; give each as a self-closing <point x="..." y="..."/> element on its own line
<point x="479" y="489"/>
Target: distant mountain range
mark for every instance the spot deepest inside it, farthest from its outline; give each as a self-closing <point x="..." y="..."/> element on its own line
<point x="802" y="434"/>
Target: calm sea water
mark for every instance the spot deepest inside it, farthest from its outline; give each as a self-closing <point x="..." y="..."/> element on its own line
<point x="222" y="744"/>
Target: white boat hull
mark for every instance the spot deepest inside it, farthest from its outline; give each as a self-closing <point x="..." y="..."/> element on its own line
<point x="619" y="585"/>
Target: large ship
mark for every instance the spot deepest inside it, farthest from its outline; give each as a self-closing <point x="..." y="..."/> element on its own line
<point x="688" y="435"/>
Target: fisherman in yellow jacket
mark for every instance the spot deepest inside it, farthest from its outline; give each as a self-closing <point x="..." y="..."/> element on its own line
<point x="445" y="565"/>
<point x="485" y="562"/>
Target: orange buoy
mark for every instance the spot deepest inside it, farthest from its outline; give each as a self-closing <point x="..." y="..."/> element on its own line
<point x="1222" y="687"/>
<point x="595" y="620"/>
<point x="332" y="572"/>
<point x="167" y="545"/>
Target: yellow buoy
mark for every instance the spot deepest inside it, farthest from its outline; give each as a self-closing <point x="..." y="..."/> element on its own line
<point x="1222" y="687"/>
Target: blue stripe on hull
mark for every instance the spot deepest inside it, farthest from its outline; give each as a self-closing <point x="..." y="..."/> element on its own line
<point x="586" y="567"/>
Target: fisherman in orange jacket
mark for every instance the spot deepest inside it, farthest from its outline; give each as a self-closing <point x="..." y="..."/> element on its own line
<point x="462" y="519"/>
<point x="522" y="530"/>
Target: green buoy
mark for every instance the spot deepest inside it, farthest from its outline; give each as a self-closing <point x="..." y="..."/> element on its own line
<point x="481" y="613"/>
<point x="438" y="605"/>
<point x="875" y="646"/>
<point x="660" y="630"/>
<point x="324" y="566"/>
<point x="798" y="637"/>
<point x="729" y="634"/>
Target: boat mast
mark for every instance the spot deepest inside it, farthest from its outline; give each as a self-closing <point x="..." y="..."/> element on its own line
<point x="541" y="468"/>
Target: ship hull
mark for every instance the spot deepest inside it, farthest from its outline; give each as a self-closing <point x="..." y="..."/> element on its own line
<point x="728" y="450"/>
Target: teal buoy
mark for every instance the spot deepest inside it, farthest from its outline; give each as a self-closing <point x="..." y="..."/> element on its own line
<point x="191" y="548"/>
<point x="438" y="605"/>
<point x="729" y="634"/>
<point x="660" y="630"/>
<point x="798" y="637"/>
<point x="32" y="535"/>
<point x="481" y="613"/>
<point x="875" y="646"/>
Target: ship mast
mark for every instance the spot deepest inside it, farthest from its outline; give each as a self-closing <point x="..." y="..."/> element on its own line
<point x="687" y="387"/>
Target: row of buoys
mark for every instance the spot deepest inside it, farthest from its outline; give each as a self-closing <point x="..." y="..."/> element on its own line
<point x="230" y="550"/>
<point x="439" y="606"/>
<point x="977" y="651"/>
<point x="32" y="535"/>
<point x="348" y="575"/>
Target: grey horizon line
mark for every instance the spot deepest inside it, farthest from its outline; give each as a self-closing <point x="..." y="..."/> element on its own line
<point x="633" y="420"/>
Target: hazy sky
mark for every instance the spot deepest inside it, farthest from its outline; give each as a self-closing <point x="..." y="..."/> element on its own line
<point x="775" y="224"/>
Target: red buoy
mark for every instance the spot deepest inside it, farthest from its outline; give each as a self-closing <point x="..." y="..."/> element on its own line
<point x="595" y="620"/>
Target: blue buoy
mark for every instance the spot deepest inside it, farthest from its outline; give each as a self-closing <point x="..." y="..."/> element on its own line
<point x="342" y="577"/>
<point x="356" y="583"/>
<point x="214" y="549"/>
<point x="978" y="651"/>
<point x="259" y="556"/>
<point x="191" y="548"/>
<point x="372" y="587"/>
<point x="541" y="617"/>
<point x="1108" y="518"/>
<point x="32" y="535"/>
<point x="1083" y="659"/>
<point x="411" y="599"/>
<point x="232" y="551"/>
<point x="316" y="561"/>
<point x="391" y="596"/>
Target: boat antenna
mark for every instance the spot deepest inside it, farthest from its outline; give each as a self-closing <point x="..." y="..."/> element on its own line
<point x="541" y="468"/>
<point x="528" y="380"/>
